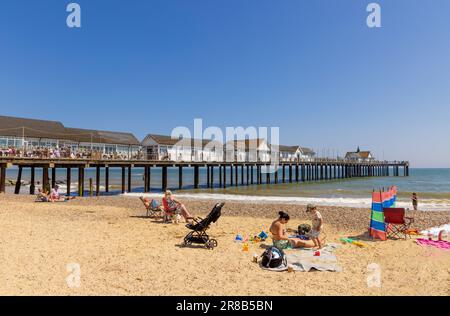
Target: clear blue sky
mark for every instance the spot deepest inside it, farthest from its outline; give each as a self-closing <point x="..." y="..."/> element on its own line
<point x="311" y="67"/>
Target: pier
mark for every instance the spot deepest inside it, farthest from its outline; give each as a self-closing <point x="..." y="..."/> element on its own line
<point x="230" y="173"/>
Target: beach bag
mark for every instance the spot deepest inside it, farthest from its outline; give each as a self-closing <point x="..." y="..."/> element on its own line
<point x="303" y="229"/>
<point x="273" y="258"/>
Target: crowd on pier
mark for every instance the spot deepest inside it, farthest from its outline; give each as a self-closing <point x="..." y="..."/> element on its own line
<point x="67" y="153"/>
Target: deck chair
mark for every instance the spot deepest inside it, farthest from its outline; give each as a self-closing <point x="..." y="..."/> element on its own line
<point x="170" y="215"/>
<point x="154" y="210"/>
<point x="397" y="224"/>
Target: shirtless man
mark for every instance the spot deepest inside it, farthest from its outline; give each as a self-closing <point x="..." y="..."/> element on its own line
<point x="281" y="239"/>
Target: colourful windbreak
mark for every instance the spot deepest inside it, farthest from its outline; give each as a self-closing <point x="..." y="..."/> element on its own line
<point x="381" y="200"/>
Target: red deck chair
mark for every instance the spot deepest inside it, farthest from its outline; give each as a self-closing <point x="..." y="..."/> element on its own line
<point x="169" y="213"/>
<point x="396" y="222"/>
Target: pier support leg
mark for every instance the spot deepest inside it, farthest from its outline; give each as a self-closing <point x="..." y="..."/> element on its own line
<point x="208" y="178"/>
<point x="220" y="176"/>
<point x="296" y="173"/>
<point x="80" y="180"/>
<point x="32" y="181"/>
<point x="284" y="174"/>
<point x="129" y="179"/>
<point x="145" y="179"/>
<point x="68" y="180"/>
<point x="45" y="182"/>
<point x="236" y="173"/>
<point x="19" y="181"/>
<point x="212" y="176"/>
<point x="196" y="177"/>
<point x="231" y="175"/>
<point x="224" y="176"/>
<point x="97" y="181"/>
<point x="251" y="175"/>
<point x="53" y="177"/>
<point x="106" y="179"/>
<point x="2" y="179"/>
<point x="248" y="174"/>
<point x="242" y="175"/>
<point x="123" y="180"/>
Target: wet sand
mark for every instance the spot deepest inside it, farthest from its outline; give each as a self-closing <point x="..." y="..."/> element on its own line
<point x="122" y="253"/>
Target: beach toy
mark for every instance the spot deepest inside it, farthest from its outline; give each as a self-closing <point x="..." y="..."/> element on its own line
<point x="346" y="240"/>
<point x="245" y="247"/>
<point x="316" y="253"/>
<point x="359" y="244"/>
<point x="238" y="238"/>
<point x="351" y="241"/>
<point x="263" y="235"/>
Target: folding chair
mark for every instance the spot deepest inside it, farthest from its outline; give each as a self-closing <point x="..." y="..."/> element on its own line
<point x="397" y="223"/>
<point x="153" y="210"/>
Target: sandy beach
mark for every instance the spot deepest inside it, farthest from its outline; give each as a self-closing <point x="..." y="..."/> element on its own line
<point x="122" y="253"/>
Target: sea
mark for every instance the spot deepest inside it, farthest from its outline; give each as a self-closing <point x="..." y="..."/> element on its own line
<point x="431" y="185"/>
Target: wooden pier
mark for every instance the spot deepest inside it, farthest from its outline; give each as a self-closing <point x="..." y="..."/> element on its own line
<point x="303" y="171"/>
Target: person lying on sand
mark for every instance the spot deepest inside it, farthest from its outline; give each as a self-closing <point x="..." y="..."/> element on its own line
<point x="281" y="239"/>
<point x="171" y="204"/>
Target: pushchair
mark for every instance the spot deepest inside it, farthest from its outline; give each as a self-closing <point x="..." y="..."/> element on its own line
<point x="198" y="234"/>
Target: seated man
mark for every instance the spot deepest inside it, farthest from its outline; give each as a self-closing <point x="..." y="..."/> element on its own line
<point x="172" y="205"/>
<point x="42" y="196"/>
<point x="281" y="239"/>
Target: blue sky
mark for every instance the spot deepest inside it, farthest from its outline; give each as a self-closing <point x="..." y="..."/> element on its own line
<point x="311" y="67"/>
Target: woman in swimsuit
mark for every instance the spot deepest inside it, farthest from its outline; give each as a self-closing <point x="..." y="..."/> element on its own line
<point x="281" y="239"/>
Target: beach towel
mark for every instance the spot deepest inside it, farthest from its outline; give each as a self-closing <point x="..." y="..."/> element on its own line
<point x="445" y="245"/>
<point x="303" y="260"/>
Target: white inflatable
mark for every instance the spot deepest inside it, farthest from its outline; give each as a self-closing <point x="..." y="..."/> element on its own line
<point x="434" y="231"/>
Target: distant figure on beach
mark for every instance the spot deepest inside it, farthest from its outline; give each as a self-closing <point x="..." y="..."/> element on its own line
<point x="55" y="196"/>
<point x="316" y="226"/>
<point x="42" y="196"/>
<point x="281" y="239"/>
<point x="171" y="205"/>
<point x="415" y="201"/>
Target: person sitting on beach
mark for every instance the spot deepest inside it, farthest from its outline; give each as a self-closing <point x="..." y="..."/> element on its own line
<point x="316" y="226"/>
<point x="281" y="239"/>
<point x="172" y="205"/>
<point x="42" y="196"/>
<point x="55" y="196"/>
